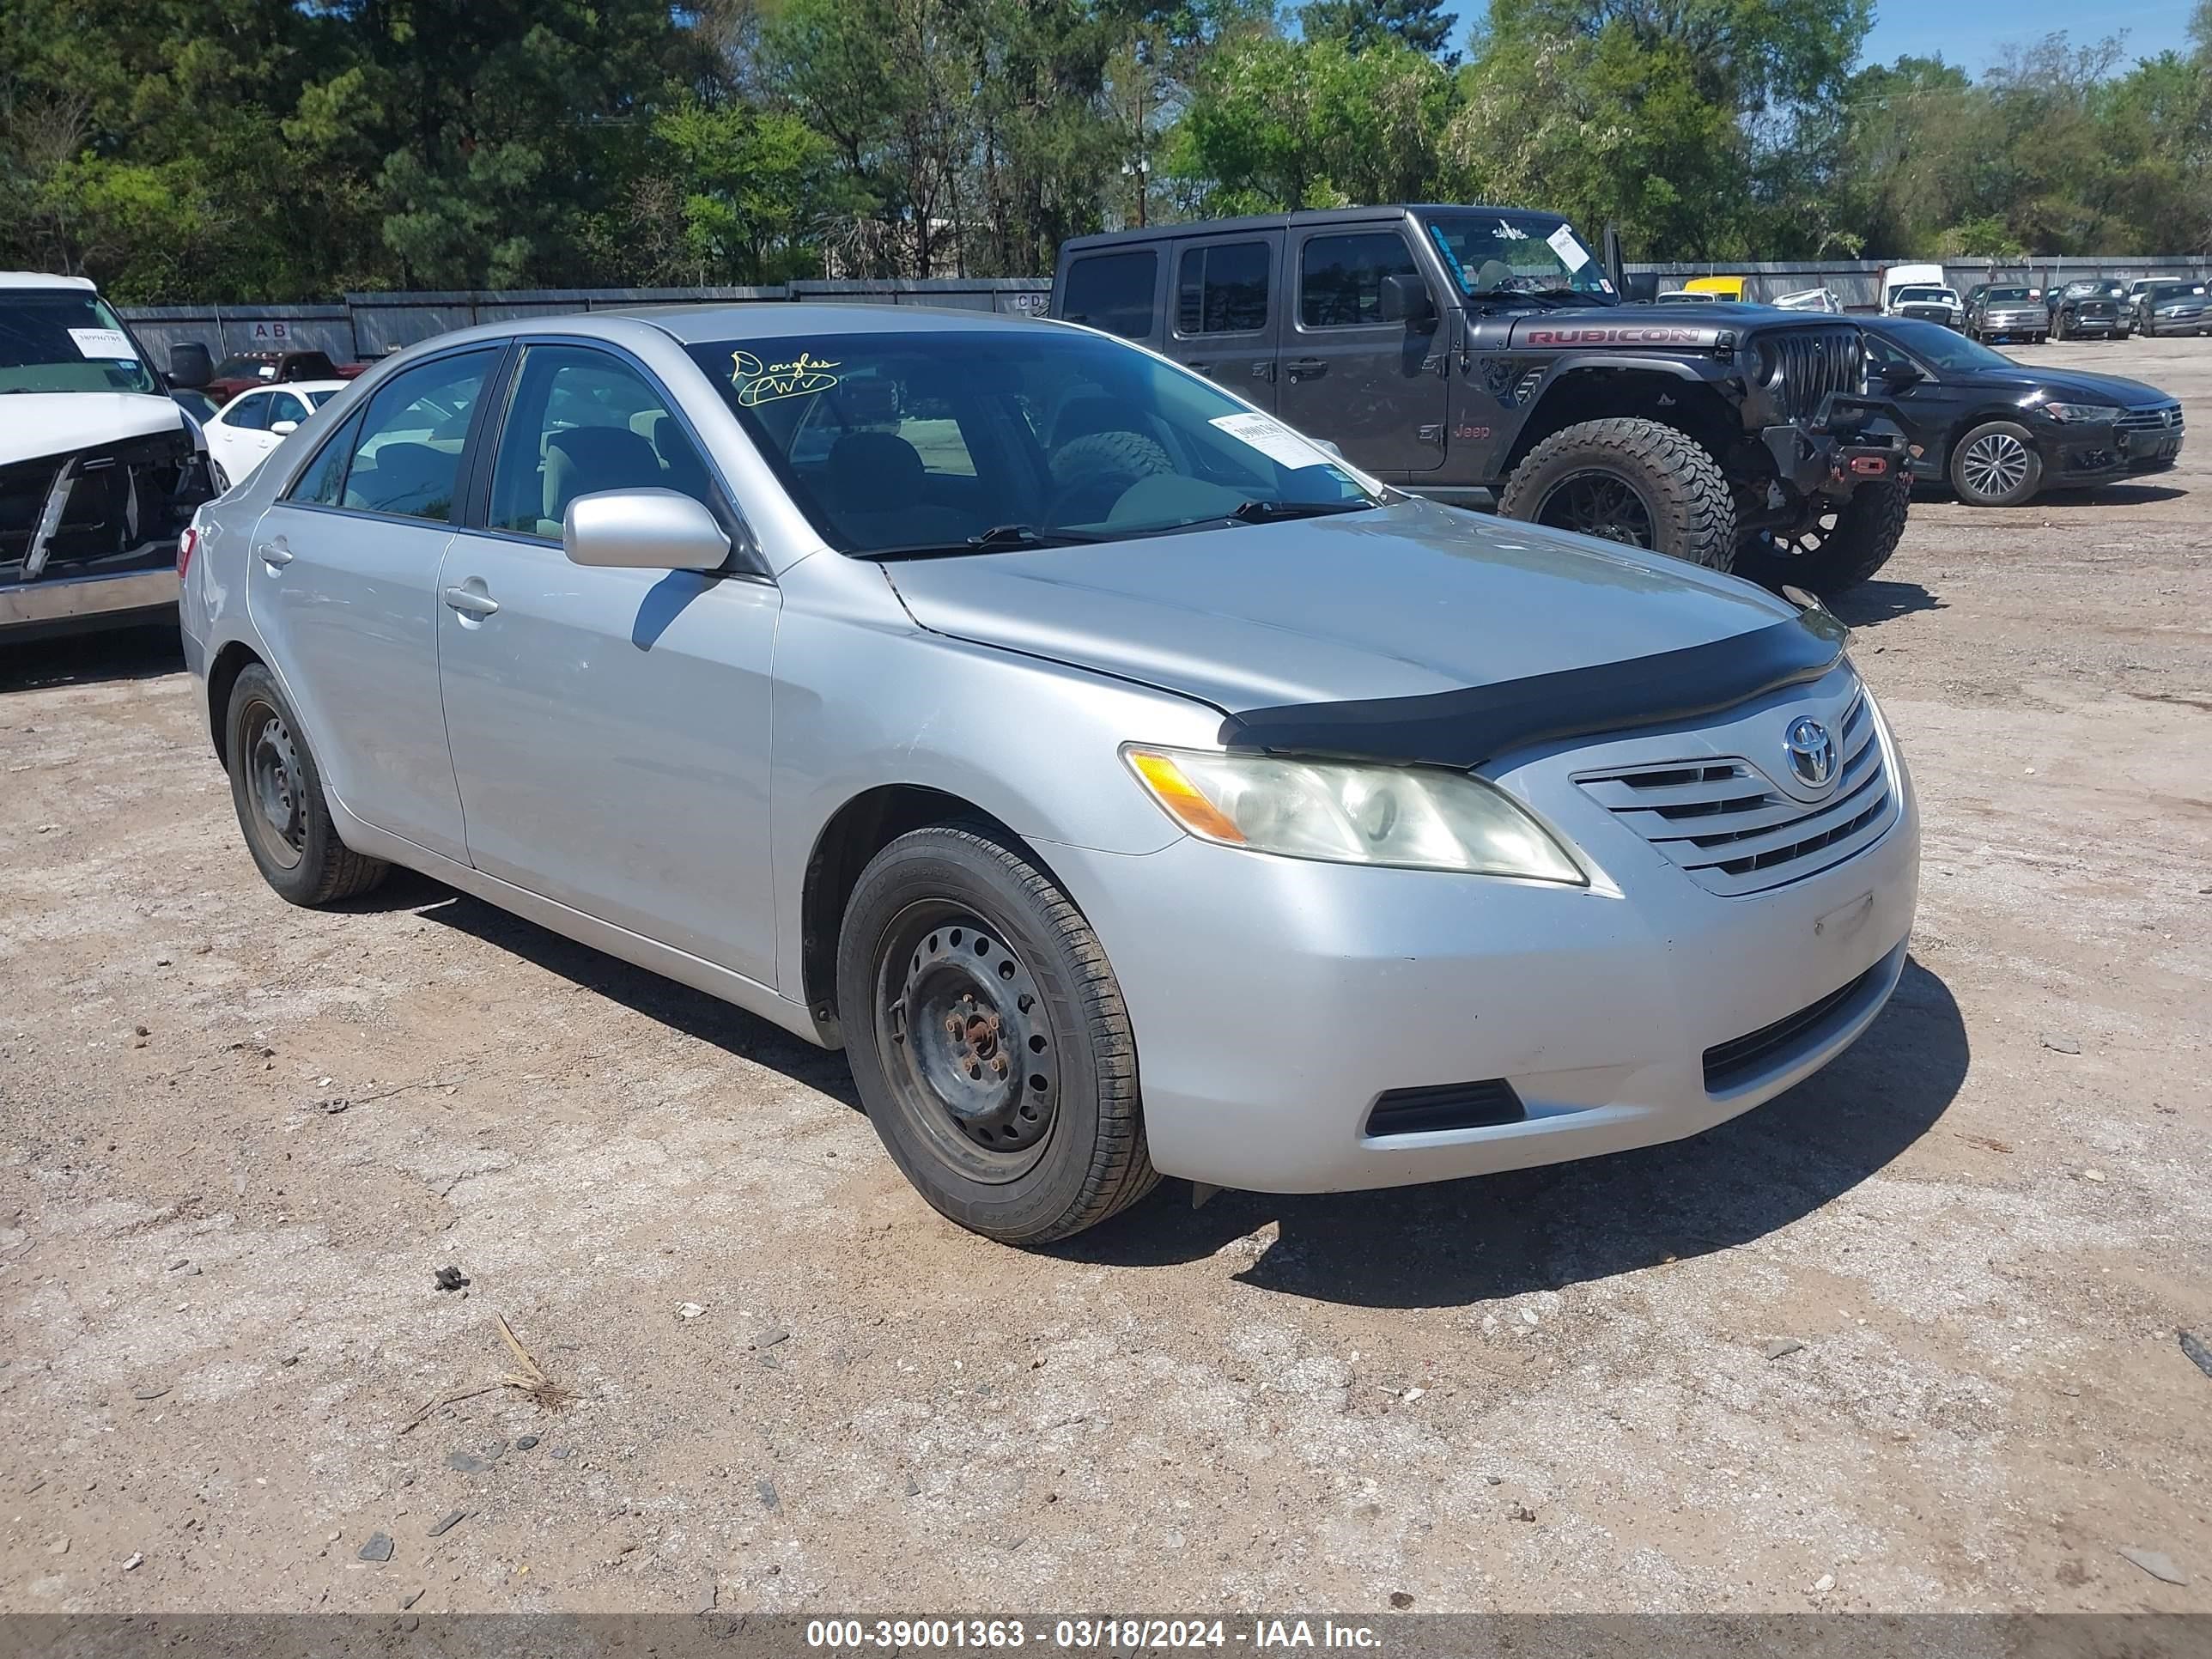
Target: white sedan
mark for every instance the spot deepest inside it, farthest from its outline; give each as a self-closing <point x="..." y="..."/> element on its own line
<point x="244" y="431"/>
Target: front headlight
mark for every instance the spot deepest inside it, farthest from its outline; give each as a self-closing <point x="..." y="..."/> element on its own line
<point x="1409" y="818"/>
<point x="2078" y="413"/>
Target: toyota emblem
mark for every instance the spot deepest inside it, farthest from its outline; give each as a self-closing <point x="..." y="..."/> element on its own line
<point x="1811" y="753"/>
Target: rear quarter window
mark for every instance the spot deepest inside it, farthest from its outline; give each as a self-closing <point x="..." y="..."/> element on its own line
<point x="1113" y="292"/>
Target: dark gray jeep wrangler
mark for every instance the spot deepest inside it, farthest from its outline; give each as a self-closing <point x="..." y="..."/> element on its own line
<point x="1483" y="356"/>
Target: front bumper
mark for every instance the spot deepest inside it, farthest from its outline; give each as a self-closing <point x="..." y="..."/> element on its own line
<point x="63" y="604"/>
<point x="2097" y="454"/>
<point x="1854" y="441"/>
<point x="2015" y="325"/>
<point x="1274" y="1000"/>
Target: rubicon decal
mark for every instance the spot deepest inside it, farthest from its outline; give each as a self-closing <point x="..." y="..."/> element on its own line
<point x="1621" y="336"/>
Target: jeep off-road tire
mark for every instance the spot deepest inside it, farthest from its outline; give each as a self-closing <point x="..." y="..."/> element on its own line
<point x="988" y="1037"/>
<point x="1102" y="465"/>
<point x="1679" y="492"/>
<point x="1838" y="550"/>
<point x="277" y="790"/>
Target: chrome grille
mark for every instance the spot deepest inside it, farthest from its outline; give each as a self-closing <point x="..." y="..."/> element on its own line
<point x="1734" y="831"/>
<point x="1811" y="363"/>
<point x="2166" y="418"/>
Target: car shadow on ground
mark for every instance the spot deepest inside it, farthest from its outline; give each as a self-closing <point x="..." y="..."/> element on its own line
<point x="2110" y="494"/>
<point x="709" y="1019"/>
<point x="1873" y="603"/>
<point x="87" y="658"/>
<point x="1538" y="1230"/>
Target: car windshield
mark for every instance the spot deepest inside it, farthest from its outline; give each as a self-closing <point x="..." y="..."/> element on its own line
<point x="247" y="369"/>
<point x="952" y="442"/>
<point x="67" y="340"/>
<point x="2166" y="291"/>
<point x="1936" y="344"/>
<point x="1999" y="295"/>
<point x="1495" y="252"/>
<point x="1923" y="295"/>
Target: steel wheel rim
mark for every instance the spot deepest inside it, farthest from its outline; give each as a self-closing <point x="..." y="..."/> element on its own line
<point x="1995" y="463"/>
<point x="1601" y="504"/>
<point x="966" y="1041"/>
<point x="275" y="791"/>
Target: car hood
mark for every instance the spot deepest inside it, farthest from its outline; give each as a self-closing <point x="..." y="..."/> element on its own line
<point x="34" y="424"/>
<point x="1681" y="322"/>
<point x="2068" y="386"/>
<point x="1407" y="600"/>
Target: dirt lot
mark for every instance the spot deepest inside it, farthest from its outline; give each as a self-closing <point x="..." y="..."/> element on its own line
<point x="237" y="1140"/>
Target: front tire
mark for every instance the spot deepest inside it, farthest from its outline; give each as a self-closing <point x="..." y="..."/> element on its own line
<point x="1840" y="548"/>
<point x="277" y="790"/>
<point x="1996" y="465"/>
<point x="1632" y="481"/>
<point x="988" y="1038"/>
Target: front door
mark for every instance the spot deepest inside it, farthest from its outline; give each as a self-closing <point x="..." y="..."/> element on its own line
<point x="341" y="579"/>
<point x="1222" y="320"/>
<point x="610" y="728"/>
<point x="1376" y="389"/>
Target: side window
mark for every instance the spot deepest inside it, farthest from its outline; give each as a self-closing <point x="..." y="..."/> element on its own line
<point x="1883" y="354"/>
<point x="582" y="420"/>
<point x="323" y="483"/>
<point x="1113" y="291"/>
<point x="248" y="412"/>
<point x="1223" y="289"/>
<point x="1340" y="278"/>
<point x="409" y="452"/>
<point x="286" y="406"/>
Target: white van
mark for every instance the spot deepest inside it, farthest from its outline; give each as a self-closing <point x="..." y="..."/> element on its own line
<point x="99" y="469"/>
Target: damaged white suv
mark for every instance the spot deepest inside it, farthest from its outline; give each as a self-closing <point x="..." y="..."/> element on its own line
<point x="100" y="468"/>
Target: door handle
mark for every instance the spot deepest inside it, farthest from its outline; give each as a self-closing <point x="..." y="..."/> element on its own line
<point x="1201" y="368"/>
<point x="274" y="554"/>
<point x="469" y="602"/>
<point x="1307" y="368"/>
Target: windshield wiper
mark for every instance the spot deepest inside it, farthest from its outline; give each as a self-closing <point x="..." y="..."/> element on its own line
<point x="1575" y="296"/>
<point x="997" y="539"/>
<point x="1274" y="512"/>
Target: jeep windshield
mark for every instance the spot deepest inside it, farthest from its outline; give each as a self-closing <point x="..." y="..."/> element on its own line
<point x="1499" y="253"/>
<point x="940" y="442"/>
<point x="66" y="340"/>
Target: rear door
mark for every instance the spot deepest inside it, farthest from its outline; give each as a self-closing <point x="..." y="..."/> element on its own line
<point x="342" y="582"/>
<point x="1223" y="322"/>
<point x="1376" y="389"/>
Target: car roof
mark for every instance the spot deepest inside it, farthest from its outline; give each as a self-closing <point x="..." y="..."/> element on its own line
<point x="701" y="325"/>
<point x="41" y="279"/>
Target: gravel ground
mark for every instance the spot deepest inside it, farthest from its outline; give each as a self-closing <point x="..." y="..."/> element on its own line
<point x="1905" y="1339"/>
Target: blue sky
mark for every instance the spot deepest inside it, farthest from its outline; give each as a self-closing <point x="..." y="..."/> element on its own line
<point x="1972" y="33"/>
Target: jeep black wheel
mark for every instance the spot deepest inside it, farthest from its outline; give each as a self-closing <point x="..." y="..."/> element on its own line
<point x="1842" y="547"/>
<point x="1628" y="480"/>
<point x="278" y="793"/>
<point x="988" y="1038"/>
<point x="1996" y="465"/>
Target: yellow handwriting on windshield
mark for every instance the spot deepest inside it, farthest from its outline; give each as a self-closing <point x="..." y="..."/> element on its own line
<point x="761" y="383"/>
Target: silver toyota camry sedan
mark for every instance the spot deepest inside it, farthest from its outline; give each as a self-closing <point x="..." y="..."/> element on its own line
<point x="1127" y="785"/>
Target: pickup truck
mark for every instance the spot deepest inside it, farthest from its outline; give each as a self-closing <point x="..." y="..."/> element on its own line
<point x="99" y="469"/>
<point x="1483" y="356"/>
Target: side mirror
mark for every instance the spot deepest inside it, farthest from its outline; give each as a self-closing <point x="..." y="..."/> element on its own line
<point x="1898" y="377"/>
<point x="1406" y="299"/>
<point x="643" y="530"/>
<point x="283" y="428"/>
<point x="190" y="366"/>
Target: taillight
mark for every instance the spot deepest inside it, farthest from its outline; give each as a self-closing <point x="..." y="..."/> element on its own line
<point x="187" y="544"/>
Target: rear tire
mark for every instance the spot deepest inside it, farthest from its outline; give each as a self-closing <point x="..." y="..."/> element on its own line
<point x="1996" y="464"/>
<point x="277" y="790"/>
<point x="957" y="955"/>
<point x="1837" y="550"/>
<point x="1614" y="478"/>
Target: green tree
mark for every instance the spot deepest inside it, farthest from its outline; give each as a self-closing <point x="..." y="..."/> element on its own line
<point x="1424" y="25"/>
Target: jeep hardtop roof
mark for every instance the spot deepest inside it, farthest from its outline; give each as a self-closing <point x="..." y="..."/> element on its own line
<point x="1388" y="212"/>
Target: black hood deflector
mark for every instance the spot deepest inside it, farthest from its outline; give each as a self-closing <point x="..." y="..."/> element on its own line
<point x="1462" y="729"/>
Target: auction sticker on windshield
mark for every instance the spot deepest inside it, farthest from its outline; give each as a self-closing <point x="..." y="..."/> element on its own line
<point x="103" y="342"/>
<point x="1272" y="439"/>
<point x="1564" y="243"/>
